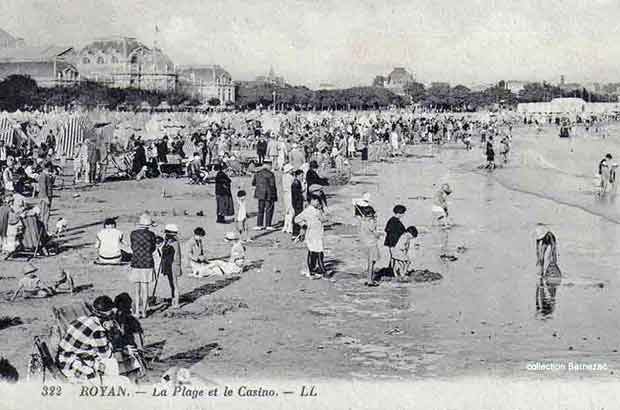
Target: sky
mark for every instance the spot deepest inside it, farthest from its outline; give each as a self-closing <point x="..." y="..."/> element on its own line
<point x="349" y="42"/>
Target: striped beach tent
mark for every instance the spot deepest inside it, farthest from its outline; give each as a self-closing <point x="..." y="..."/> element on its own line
<point x="7" y="130"/>
<point x="74" y="129"/>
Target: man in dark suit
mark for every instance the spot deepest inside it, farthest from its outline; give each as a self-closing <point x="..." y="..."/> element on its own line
<point x="46" y="188"/>
<point x="267" y="194"/>
<point x="93" y="157"/>
<point x="261" y="148"/>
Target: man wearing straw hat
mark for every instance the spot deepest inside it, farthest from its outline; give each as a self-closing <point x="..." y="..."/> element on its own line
<point x="141" y="269"/>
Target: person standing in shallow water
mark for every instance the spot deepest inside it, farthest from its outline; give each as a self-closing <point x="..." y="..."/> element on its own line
<point x="604" y="173"/>
<point x="547" y="252"/>
<point x="440" y="205"/>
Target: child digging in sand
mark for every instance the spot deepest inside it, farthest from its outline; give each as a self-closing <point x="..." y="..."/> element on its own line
<point x="402" y="254"/>
<point x="198" y="254"/>
<point x="394" y="229"/>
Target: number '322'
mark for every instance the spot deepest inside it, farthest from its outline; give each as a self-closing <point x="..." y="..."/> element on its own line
<point x="51" y="391"/>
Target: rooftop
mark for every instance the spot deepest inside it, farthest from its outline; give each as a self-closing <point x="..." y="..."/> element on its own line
<point x="122" y="45"/>
<point x="4" y="36"/>
<point x="203" y="72"/>
<point x="20" y="54"/>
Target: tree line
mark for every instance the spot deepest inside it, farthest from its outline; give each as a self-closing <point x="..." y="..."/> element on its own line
<point x="443" y="96"/>
<point x="18" y="92"/>
<point x="21" y="92"/>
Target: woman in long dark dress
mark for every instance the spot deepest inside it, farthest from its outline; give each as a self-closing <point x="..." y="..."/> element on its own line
<point x="223" y="196"/>
<point x="297" y="195"/>
<point x="139" y="159"/>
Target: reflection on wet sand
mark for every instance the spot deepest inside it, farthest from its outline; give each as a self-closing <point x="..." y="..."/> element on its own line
<point x="546" y="294"/>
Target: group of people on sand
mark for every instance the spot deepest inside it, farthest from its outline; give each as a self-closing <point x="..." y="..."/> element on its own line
<point x="152" y="256"/>
<point x="100" y="343"/>
<point x="607" y="180"/>
<point x="399" y="241"/>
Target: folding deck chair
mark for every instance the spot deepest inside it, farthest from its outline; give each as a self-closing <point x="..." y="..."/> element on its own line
<point x="31" y="245"/>
<point x="43" y="359"/>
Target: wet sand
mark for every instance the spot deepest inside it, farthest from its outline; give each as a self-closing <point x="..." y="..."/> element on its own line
<point x="480" y="319"/>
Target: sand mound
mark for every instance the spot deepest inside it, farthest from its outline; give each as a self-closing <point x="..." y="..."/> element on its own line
<point x="209" y="308"/>
<point x="425" y="275"/>
<point x="339" y="177"/>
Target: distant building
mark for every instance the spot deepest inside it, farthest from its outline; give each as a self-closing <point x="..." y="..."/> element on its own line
<point x="570" y="107"/>
<point x="48" y="66"/>
<point x="206" y="82"/>
<point x="513" y="85"/>
<point x="326" y="86"/>
<point x="124" y="62"/>
<point x="479" y="87"/>
<point x="272" y="79"/>
<point x="397" y="80"/>
<point x="8" y="41"/>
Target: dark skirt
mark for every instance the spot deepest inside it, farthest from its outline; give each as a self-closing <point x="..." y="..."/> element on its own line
<point x="225" y="206"/>
<point x="364" y="154"/>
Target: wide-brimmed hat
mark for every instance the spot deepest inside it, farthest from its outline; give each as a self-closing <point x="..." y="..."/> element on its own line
<point x="231" y="236"/>
<point x="29" y="268"/>
<point x="287" y="168"/>
<point x="363" y="201"/>
<point x="145" y="220"/>
<point x="172" y="228"/>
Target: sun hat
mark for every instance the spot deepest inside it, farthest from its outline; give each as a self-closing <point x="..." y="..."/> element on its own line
<point x="29" y="268"/>
<point x="287" y="168"/>
<point x="540" y="232"/>
<point x="145" y="220"/>
<point x="103" y="305"/>
<point x="363" y="201"/>
<point x="172" y="228"/>
<point x="231" y="236"/>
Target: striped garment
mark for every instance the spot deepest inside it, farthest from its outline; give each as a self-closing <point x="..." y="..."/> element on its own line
<point x="73" y="131"/>
<point x="86" y="341"/>
<point x="7" y="131"/>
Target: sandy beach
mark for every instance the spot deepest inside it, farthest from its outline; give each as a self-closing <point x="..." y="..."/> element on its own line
<point x="271" y="322"/>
